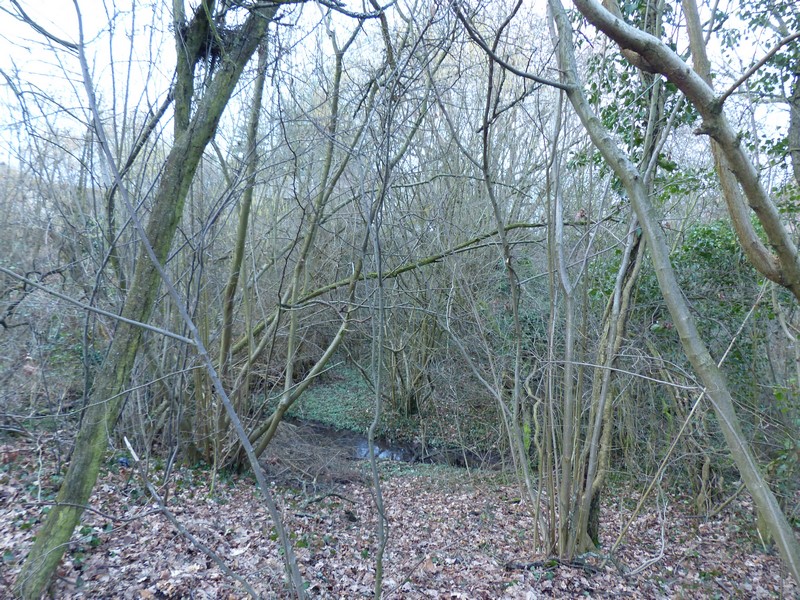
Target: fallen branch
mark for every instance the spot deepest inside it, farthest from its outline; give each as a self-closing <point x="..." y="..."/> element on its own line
<point x="328" y="495"/>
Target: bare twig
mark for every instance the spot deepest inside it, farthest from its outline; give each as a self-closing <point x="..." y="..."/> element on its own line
<point x="722" y="506"/>
<point x="416" y="565"/>
<point x="651" y="561"/>
<point x="22" y="15"/>
<point x="478" y="39"/>
<point x="328" y="495"/>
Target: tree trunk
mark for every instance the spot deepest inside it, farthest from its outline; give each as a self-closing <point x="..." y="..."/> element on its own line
<point x="598" y="442"/>
<point x="793" y="136"/>
<point x="693" y="345"/>
<point x="107" y="397"/>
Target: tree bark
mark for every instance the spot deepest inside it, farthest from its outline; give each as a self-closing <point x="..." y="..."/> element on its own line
<point x="244" y="217"/>
<point x="598" y="436"/>
<point x="693" y="345"/>
<point x="106" y="399"/>
<point x="793" y="135"/>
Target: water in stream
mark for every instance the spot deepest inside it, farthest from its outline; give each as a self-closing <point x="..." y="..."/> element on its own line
<point x="356" y="446"/>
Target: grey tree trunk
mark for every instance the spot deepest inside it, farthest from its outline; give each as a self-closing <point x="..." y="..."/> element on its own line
<point x="793" y="135"/>
<point x="107" y="396"/>
<point x="693" y="345"/>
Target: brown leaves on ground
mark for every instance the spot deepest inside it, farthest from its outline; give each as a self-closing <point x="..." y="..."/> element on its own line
<point x="451" y="536"/>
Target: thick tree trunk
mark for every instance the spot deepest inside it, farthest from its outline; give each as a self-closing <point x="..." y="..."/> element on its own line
<point x="757" y="253"/>
<point x="693" y="345"/>
<point x="109" y="390"/>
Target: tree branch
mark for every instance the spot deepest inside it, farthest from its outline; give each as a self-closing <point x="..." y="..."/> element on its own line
<point x="715" y="124"/>
<point x="478" y="39"/>
<point x="749" y="73"/>
<point x="53" y="38"/>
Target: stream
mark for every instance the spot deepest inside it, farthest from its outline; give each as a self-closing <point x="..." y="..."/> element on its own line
<point x="356" y="445"/>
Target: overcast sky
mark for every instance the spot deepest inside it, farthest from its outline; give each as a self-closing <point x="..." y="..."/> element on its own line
<point x="131" y="55"/>
<point x="116" y="36"/>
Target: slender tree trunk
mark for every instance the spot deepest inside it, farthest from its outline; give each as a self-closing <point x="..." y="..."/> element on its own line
<point x="241" y="393"/>
<point x="244" y="215"/>
<point x="693" y="345"/>
<point x="793" y="136"/>
<point x="263" y="434"/>
<point x="107" y="396"/>
<point x="597" y="444"/>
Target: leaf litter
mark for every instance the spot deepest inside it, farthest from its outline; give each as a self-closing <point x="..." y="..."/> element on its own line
<point x="452" y="534"/>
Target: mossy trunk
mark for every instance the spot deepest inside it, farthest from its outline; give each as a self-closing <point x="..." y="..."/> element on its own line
<point x="109" y="390"/>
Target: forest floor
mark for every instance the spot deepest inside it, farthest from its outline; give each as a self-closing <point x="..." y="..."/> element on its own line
<point x="452" y="534"/>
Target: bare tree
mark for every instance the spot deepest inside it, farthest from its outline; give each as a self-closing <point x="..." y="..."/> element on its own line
<point x="193" y="133"/>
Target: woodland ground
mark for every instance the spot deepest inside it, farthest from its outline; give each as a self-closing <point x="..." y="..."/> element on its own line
<point x="453" y="534"/>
